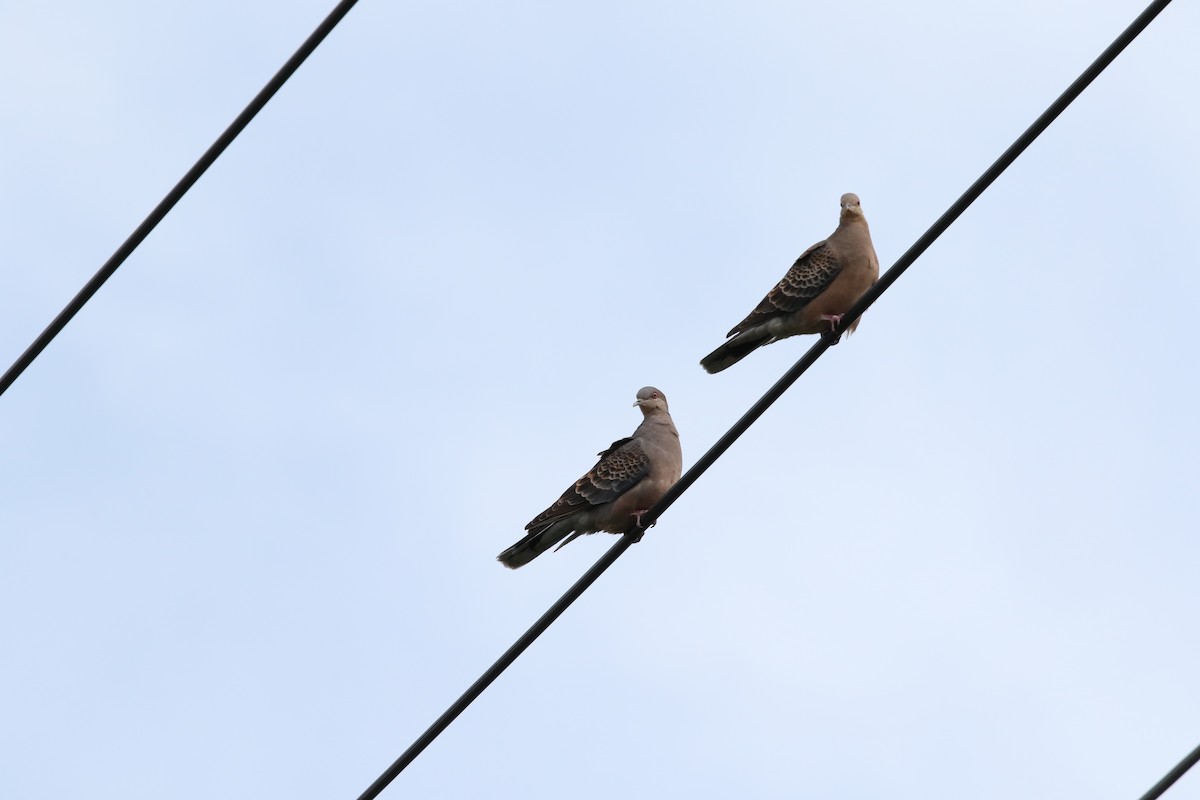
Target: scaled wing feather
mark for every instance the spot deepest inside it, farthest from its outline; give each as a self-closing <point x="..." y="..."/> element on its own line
<point x="620" y="467"/>
<point x="812" y="273"/>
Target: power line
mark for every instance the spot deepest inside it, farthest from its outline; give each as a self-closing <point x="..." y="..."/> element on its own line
<point x="502" y="663"/>
<point x="175" y="195"/>
<point x="1189" y="761"/>
<point x="774" y="393"/>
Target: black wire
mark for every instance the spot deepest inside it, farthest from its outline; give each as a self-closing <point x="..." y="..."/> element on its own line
<point x="1189" y="761"/>
<point x="1009" y="156"/>
<point x="501" y="664"/>
<point x="773" y="394"/>
<point x="185" y="183"/>
<point x="905" y="261"/>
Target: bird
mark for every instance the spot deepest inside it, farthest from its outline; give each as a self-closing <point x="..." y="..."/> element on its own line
<point x="826" y="280"/>
<point x="630" y="477"/>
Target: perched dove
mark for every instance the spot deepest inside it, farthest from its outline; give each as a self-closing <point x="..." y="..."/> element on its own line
<point x="825" y="281"/>
<point x="631" y="475"/>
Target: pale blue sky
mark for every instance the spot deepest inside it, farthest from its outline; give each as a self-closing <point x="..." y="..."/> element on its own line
<point x="253" y="494"/>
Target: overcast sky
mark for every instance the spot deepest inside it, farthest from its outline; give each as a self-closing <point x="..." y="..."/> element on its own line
<point x="252" y="496"/>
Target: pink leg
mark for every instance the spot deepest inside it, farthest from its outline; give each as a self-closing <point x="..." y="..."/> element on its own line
<point x="833" y="320"/>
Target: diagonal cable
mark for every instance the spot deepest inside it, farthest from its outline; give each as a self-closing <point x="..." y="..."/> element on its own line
<point x="1168" y="780"/>
<point x="774" y="393"/>
<point x="180" y="189"/>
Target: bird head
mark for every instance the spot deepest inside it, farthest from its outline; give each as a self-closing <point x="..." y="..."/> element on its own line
<point x="650" y="399"/>
<point x="851" y="207"/>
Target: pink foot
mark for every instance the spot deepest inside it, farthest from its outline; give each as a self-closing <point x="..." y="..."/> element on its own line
<point x="639" y="529"/>
<point x="834" y="320"/>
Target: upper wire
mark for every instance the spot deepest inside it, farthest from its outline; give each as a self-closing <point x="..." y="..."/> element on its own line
<point x="175" y="195"/>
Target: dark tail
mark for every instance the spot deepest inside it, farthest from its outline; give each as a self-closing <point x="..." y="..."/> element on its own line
<point x="531" y="547"/>
<point x="730" y="353"/>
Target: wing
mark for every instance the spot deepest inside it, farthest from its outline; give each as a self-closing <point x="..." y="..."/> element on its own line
<point x="812" y="273"/>
<point x="614" y="446"/>
<point x="620" y="467"/>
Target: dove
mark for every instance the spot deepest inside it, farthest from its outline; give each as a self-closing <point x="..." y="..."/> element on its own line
<point x="630" y="477"/>
<point x="825" y="281"/>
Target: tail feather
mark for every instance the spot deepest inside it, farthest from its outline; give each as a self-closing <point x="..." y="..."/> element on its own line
<point x="533" y="545"/>
<point x="732" y="352"/>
